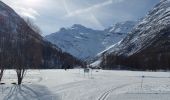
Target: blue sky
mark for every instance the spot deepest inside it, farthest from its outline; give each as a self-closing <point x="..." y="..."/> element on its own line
<point x="51" y="15"/>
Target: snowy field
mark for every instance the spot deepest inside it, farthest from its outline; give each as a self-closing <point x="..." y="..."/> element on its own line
<point x="98" y="85"/>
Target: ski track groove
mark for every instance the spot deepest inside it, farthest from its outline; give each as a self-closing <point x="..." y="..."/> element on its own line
<point x="69" y="86"/>
<point x="106" y="94"/>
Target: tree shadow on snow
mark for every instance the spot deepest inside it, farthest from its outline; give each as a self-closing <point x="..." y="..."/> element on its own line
<point x="29" y="92"/>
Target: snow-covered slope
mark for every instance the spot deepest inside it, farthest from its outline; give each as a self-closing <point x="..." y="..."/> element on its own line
<point x="146" y="30"/>
<point x="86" y="43"/>
<point x="121" y="27"/>
<point x="149" y="41"/>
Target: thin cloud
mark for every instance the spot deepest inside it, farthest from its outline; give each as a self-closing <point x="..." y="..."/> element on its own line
<point x="96" y="22"/>
<point x="65" y="6"/>
<point x="90" y="13"/>
<point x="27" y="12"/>
<point x="28" y="15"/>
<point x="96" y="6"/>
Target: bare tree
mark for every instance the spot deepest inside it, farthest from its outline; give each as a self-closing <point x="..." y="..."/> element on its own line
<point x="2" y="61"/>
<point x="28" y="53"/>
<point x="1" y="72"/>
<point x="21" y="72"/>
<point x="2" y="68"/>
<point x="19" y="61"/>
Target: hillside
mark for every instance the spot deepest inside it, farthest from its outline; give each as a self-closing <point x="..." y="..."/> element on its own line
<point x="21" y="46"/>
<point x="147" y="46"/>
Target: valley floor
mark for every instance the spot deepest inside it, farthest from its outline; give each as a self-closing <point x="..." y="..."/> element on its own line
<point x="98" y="85"/>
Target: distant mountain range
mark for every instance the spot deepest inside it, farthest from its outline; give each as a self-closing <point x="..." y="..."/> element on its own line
<point x="147" y="46"/>
<point x="143" y="45"/>
<point x="85" y="43"/>
<point x="21" y="46"/>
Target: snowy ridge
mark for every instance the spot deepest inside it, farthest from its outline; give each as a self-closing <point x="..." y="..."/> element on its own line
<point x="121" y="27"/>
<point x="86" y="43"/>
<point x="146" y="46"/>
<point x="144" y="33"/>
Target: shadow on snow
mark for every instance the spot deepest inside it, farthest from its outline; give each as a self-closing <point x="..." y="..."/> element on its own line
<point x="28" y="92"/>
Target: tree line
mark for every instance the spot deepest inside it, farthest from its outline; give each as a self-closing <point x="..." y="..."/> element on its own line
<point x="23" y="48"/>
<point x="154" y="57"/>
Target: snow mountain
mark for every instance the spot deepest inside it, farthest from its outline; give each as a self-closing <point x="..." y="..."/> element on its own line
<point x="21" y="46"/>
<point x="147" y="46"/>
<point x="85" y="43"/>
<point x="121" y="27"/>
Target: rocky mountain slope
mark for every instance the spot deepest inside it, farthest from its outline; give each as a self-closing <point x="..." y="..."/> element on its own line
<point x="147" y="46"/>
<point x="21" y="46"/>
<point x="86" y="43"/>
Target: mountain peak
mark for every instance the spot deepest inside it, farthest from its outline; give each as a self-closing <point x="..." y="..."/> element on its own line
<point x="78" y="26"/>
<point x="121" y="27"/>
<point x="75" y="39"/>
<point x="63" y="29"/>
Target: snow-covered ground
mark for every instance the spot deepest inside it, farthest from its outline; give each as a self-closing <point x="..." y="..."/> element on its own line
<point x="73" y="85"/>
